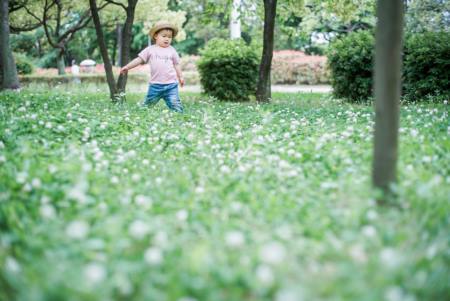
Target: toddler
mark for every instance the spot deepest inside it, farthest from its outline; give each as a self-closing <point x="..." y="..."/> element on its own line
<point x="164" y="66"/>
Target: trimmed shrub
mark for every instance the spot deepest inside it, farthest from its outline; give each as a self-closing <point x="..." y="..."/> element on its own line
<point x="427" y="65"/>
<point x="350" y="60"/>
<point x="228" y="69"/>
<point x="289" y="67"/>
<point x="23" y="63"/>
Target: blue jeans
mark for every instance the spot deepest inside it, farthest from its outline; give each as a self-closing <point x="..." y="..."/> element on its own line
<point x="169" y="92"/>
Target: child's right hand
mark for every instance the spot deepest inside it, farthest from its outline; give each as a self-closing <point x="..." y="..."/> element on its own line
<point x="124" y="70"/>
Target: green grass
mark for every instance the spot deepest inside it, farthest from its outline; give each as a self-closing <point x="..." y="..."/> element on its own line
<point x="228" y="201"/>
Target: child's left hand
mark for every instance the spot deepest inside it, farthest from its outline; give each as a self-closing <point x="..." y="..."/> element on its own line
<point x="181" y="81"/>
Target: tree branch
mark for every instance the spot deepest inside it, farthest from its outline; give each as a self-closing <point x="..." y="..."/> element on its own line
<point x="46" y="26"/>
<point x="58" y="17"/>
<point x="16" y="29"/>
<point x="83" y="22"/>
<point x="116" y="3"/>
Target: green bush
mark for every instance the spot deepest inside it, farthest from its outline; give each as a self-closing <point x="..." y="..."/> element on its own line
<point x="23" y="64"/>
<point x="427" y="65"/>
<point x="350" y="61"/>
<point x="48" y="60"/>
<point x="228" y="69"/>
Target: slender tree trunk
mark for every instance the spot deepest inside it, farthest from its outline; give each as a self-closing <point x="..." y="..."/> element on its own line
<point x="9" y="78"/>
<point x="61" y="64"/>
<point x="103" y="50"/>
<point x="387" y="87"/>
<point x="38" y="47"/>
<point x="263" y="90"/>
<point x="235" y="21"/>
<point x="119" y="33"/>
<point x="126" y="42"/>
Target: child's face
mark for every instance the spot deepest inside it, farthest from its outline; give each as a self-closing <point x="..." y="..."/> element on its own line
<point x="163" y="38"/>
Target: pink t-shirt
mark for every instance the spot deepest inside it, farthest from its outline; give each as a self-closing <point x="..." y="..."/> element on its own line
<point x="162" y="61"/>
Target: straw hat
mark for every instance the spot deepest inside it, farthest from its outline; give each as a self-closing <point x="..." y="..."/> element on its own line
<point x="162" y="25"/>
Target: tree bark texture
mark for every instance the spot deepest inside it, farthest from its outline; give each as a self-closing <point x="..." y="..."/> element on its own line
<point x="9" y="78"/>
<point x="126" y="42"/>
<point x="103" y="49"/>
<point x="263" y="90"/>
<point x="60" y="63"/>
<point x="387" y="88"/>
<point x="119" y="44"/>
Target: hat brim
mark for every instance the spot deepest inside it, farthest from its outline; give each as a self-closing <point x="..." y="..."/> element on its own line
<point x="159" y="27"/>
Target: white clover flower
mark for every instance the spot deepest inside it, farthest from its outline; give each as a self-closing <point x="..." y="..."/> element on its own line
<point x="369" y="231"/>
<point x="288" y="295"/>
<point x="182" y="215"/>
<point x="372" y="215"/>
<point x="264" y="274"/>
<point x="21" y="177"/>
<point x="143" y="201"/>
<point x="138" y="229"/>
<point x="52" y="168"/>
<point x="431" y="251"/>
<point x="390" y="258"/>
<point x="426" y="159"/>
<point x="234" y="239"/>
<point x="357" y="253"/>
<point x="285" y="232"/>
<point x="153" y="256"/>
<point x="27" y="187"/>
<point x="12" y="265"/>
<point x="199" y="189"/>
<point x="225" y="169"/>
<point x="161" y="239"/>
<point x="77" y="229"/>
<point x="272" y="252"/>
<point x="394" y="293"/>
<point x="36" y="183"/>
<point x="47" y="211"/>
<point x="78" y="192"/>
<point x="94" y="273"/>
<point x="135" y="177"/>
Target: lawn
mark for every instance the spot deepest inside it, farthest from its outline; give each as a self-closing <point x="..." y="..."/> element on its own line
<point x="228" y="201"/>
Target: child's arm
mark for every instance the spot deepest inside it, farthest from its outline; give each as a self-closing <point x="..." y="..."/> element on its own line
<point x="136" y="62"/>
<point x="179" y="74"/>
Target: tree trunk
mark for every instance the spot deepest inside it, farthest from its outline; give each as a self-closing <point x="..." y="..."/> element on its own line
<point x="119" y="32"/>
<point x="60" y="63"/>
<point x="126" y="42"/>
<point x="9" y="78"/>
<point x="387" y="87"/>
<point x="103" y="50"/>
<point x="263" y="91"/>
<point x="235" y="21"/>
